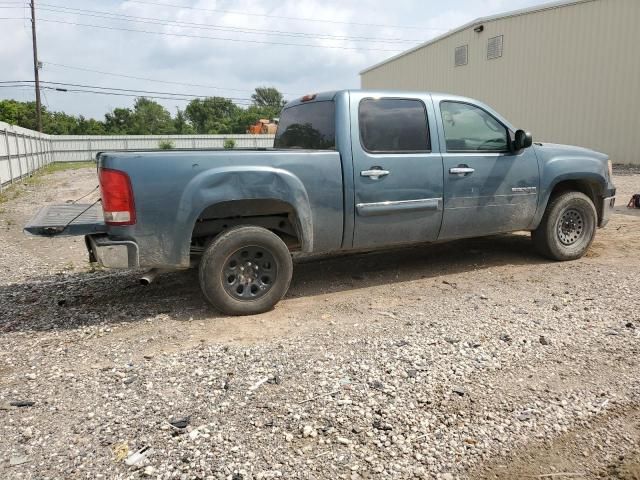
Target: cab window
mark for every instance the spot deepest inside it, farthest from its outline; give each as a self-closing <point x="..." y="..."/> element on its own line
<point x="393" y="125"/>
<point x="468" y="128"/>
<point x="309" y="126"/>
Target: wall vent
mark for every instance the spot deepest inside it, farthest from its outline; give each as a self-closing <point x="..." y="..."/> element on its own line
<point x="461" y="56"/>
<point x="494" y="47"/>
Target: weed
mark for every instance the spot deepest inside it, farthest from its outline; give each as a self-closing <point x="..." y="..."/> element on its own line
<point x="7" y="195"/>
<point x="166" y="144"/>
<point x="60" y="166"/>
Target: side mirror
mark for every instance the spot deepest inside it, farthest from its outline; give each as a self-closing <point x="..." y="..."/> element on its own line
<point x="522" y="140"/>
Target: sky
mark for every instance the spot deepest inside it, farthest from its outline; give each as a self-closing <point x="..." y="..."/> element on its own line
<point x="214" y="47"/>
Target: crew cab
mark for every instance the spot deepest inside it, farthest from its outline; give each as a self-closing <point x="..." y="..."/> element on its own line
<point x="350" y="170"/>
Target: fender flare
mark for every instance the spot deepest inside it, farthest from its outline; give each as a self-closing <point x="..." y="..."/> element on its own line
<point x="231" y="183"/>
<point x="591" y="177"/>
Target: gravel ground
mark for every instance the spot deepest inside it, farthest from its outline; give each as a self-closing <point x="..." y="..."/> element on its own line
<point x="475" y="359"/>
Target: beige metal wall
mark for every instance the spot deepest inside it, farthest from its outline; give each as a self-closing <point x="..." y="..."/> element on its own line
<point x="569" y="74"/>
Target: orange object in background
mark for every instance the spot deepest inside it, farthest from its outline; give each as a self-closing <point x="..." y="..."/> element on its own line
<point x="270" y="128"/>
<point x="263" y="127"/>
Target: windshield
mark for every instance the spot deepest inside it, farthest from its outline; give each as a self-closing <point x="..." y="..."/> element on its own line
<point x="310" y="126"/>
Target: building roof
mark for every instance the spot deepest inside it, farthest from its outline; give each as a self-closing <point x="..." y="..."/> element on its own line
<point x="478" y="21"/>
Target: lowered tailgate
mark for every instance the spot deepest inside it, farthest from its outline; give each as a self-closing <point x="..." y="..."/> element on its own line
<point x="67" y="220"/>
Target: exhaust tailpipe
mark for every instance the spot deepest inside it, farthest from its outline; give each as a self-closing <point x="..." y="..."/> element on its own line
<point x="149" y="277"/>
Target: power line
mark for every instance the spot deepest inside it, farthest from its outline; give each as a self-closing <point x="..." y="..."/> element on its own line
<point x="99" y="87"/>
<point x="205" y="26"/>
<point x="303" y="19"/>
<point x="184" y="98"/>
<point x="202" y="26"/>
<point x="99" y="92"/>
<point x="167" y="82"/>
<point x="46" y="100"/>
<point x="262" y="42"/>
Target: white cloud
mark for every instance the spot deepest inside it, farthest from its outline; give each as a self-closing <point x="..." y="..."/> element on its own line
<point x="229" y="64"/>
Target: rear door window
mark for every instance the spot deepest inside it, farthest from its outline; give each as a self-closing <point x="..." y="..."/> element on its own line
<point x="310" y="126"/>
<point x="393" y="125"/>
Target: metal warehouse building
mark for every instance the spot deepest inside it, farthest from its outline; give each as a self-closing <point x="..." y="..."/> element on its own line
<point x="569" y="71"/>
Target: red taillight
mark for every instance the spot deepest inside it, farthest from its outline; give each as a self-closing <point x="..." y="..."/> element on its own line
<point x="117" y="197"/>
<point x="308" y="98"/>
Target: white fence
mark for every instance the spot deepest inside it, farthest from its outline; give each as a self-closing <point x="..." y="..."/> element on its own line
<point x="74" y="148"/>
<point x="23" y="151"/>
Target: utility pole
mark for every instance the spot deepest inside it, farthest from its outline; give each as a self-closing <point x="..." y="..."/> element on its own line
<point x="36" y="65"/>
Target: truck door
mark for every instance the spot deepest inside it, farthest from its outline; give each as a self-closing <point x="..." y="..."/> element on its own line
<point x="487" y="188"/>
<point x="397" y="170"/>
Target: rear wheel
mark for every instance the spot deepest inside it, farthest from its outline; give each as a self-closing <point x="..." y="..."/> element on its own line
<point x="245" y="270"/>
<point x="567" y="227"/>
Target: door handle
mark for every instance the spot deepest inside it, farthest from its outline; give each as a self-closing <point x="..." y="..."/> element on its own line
<point x="374" y="173"/>
<point x="461" y="170"/>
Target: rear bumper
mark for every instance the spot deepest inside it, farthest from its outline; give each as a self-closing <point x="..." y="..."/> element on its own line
<point x="606" y="208"/>
<point x="112" y="253"/>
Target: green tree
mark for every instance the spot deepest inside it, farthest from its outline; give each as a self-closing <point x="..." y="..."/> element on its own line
<point x="89" y="127"/>
<point x="150" y="118"/>
<point x="147" y="117"/>
<point x="22" y="114"/>
<point x="268" y="97"/>
<point x="180" y="123"/>
<point x="119" y="121"/>
<point x="212" y="114"/>
<point x="249" y="116"/>
<point x="59" y="123"/>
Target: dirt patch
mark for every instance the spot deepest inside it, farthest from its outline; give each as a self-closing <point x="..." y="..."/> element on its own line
<point x="575" y="454"/>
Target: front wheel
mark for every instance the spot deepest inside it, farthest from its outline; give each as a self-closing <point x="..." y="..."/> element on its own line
<point x="245" y="270"/>
<point x="567" y="227"/>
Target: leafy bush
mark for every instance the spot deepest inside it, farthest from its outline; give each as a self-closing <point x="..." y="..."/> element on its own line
<point x="166" y="144"/>
<point x="229" y="143"/>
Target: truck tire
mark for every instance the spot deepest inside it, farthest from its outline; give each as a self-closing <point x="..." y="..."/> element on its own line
<point x="245" y="270"/>
<point x="567" y="227"/>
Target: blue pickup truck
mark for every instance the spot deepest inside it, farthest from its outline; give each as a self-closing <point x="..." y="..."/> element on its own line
<point x="350" y="170"/>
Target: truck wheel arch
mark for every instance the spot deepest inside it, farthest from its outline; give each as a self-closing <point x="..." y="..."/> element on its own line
<point x="270" y="213"/>
<point x="589" y="187"/>
<point x="593" y="186"/>
<point x="216" y="190"/>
